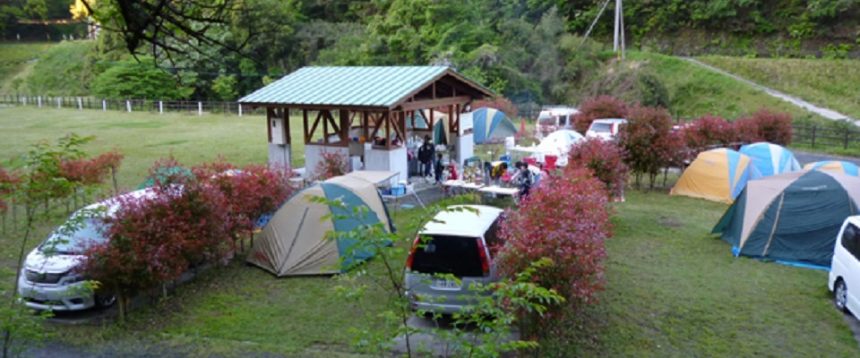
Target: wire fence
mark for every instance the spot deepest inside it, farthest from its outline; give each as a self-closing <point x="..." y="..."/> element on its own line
<point x="132" y="105"/>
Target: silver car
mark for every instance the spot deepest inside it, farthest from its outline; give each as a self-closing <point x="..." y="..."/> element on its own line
<point x="50" y="279"/>
<point x="457" y="243"/>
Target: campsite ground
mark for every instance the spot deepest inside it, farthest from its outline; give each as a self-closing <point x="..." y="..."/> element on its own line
<point x="672" y="288"/>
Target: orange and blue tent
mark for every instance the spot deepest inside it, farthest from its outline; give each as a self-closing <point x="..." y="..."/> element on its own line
<point x="834" y="166"/>
<point x="716" y="175"/>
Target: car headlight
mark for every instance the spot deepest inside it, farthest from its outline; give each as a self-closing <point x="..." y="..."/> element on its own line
<point x="71" y="277"/>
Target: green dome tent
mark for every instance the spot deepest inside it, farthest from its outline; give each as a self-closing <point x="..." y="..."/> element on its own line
<point x="294" y="241"/>
<point x="791" y="218"/>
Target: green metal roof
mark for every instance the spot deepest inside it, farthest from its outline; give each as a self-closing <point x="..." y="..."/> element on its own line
<point x="364" y="86"/>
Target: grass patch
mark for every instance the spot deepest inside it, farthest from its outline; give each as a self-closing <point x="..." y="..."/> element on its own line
<point x="63" y="70"/>
<point x="828" y="83"/>
<point x="15" y="57"/>
<point x="695" y="91"/>
<point x="674" y="290"/>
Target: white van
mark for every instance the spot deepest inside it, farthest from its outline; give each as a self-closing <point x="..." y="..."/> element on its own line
<point x="606" y="129"/>
<point x="844" y="280"/>
<point x="50" y="280"/>
<point x="554" y="118"/>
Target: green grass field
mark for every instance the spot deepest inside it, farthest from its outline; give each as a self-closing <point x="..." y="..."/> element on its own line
<point x="16" y="58"/>
<point x="695" y="91"/>
<point x="829" y="83"/>
<point x="672" y="289"/>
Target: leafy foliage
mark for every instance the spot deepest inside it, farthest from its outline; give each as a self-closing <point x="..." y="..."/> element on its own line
<point x="331" y="165"/>
<point x="181" y="222"/>
<point x="8" y="184"/>
<point x="645" y="140"/>
<point x="605" y="160"/>
<point x="774" y="127"/>
<point x="568" y="229"/>
<point x="709" y="131"/>
<point x="598" y="107"/>
<point x="138" y="80"/>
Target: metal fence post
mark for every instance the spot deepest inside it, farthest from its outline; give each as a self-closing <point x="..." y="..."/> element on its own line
<point x="160" y="107"/>
<point x="240" y="109"/>
<point x="104" y="105"/>
<point x="199" y="108"/>
<point x="59" y="102"/>
<point x="80" y="104"/>
<point x="39" y="100"/>
<point x="128" y="105"/>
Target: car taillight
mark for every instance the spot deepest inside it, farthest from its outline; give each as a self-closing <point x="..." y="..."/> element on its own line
<point x="482" y="254"/>
<point x="412" y="252"/>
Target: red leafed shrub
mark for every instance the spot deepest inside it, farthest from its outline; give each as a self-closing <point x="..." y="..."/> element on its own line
<point x="774" y="127"/>
<point x="250" y="192"/>
<point x="91" y="171"/>
<point x="501" y="103"/>
<point x="569" y="229"/>
<point x="709" y="131"/>
<point x="747" y="130"/>
<point x="605" y="159"/>
<point x="644" y="140"/>
<point x="8" y="184"/>
<point x="154" y="239"/>
<point x="596" y="108"/>
<point x="675" y="151"/>
<point x="332" y="164"/>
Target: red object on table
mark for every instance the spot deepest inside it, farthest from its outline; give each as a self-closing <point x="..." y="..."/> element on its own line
<point x="452" y="171"/>
<point x="530" y="161"/>
<point x="550" y="161"/>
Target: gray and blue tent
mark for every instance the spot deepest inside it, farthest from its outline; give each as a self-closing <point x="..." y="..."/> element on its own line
<point x="791" y="218"/>
<point x="294" y="240"/>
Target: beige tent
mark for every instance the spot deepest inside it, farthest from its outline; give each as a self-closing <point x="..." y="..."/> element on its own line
<point x="294" y="241"/>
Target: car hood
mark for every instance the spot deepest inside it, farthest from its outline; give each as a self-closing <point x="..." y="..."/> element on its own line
<point x="39" y="262"/>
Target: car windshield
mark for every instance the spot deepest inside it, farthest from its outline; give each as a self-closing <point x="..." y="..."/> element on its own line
<point x="547" y="121"/>
<point x="74" y="239"/>
<point x="601" y="127"/>
<point x="454" y="255"/>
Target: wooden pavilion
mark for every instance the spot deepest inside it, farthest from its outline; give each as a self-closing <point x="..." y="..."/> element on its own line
<point x="364" y="112"/>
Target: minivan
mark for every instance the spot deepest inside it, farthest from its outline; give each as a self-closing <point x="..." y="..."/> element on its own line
<point x="844" y="278"/>
<point x="551" y="119"/>
<point x="458" y="242"/>
<point x="50" y="279"/>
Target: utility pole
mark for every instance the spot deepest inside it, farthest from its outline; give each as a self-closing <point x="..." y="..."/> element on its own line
<point x="618" y="35"/>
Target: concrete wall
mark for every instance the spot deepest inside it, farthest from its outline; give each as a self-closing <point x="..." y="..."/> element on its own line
<point x="393" y="160"/>
<point x="280" y="156"/>
<point x="313" y="155"/>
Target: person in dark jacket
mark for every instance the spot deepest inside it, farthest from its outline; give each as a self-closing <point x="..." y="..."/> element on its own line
<point x="438" y="168"/>
<point x="425" y="156"/>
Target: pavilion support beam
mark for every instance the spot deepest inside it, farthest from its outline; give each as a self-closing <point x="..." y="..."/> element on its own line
<point x="270" y="113"/>
<point x="307" y="136"/>
<point x="439" y="102"/>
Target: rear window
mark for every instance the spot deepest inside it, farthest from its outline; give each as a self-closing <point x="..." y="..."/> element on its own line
<point x="454" y="255"/>
<point x="601" y="127"/>
<point x="547" y="121"/>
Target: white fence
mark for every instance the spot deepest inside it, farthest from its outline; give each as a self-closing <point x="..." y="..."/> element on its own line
<point x="131" y="105"/>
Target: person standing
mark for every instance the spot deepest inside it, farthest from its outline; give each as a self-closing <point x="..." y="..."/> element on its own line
<point x="426" y="153"/>
<point x="438" y="168"/>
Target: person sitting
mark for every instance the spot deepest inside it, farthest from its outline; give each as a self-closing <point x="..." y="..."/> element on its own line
<point x="523" y="179"/>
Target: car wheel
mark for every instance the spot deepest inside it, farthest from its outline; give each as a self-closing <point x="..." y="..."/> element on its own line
<point x="105" y="300"/>
<point x="840" y="295"/>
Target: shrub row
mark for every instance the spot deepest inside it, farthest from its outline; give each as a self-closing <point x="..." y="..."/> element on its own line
<point x="181" y="222"/>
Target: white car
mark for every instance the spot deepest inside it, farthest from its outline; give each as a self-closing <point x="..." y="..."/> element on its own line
<point x="49" y="279"/>
<point x="844" y="279"/>
<point x="605" y="129"/>
<point x="459" y="243"/>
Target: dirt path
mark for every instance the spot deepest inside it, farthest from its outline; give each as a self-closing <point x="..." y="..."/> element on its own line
<point x="821" y="111"/>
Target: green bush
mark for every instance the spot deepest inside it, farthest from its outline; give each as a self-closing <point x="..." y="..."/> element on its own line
<point x="63" y="70"/>
<point x="139" y="80"/>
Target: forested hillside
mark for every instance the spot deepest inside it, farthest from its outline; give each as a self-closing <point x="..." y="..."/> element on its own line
<point x="531" y="51"/>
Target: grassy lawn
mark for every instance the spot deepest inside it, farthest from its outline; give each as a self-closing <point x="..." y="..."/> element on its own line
<point x="828" y="83"/>
<point x="695" y="91"/>
<point x="672" y="289"/>
<point x="15" y="57"/>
